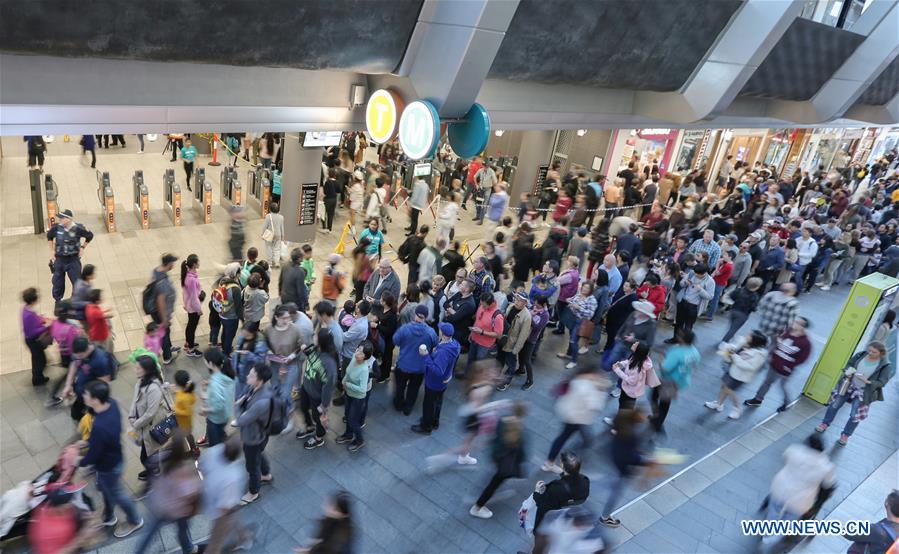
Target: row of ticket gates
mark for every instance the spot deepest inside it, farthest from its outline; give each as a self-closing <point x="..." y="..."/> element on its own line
<point x="231" y="189"/>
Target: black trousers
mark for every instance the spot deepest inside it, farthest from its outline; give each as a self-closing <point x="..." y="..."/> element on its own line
<point x="526" y="359"/>
<point x="387" y="359"/>
<point x="686" y="316"/>
<point x="490" y="489"/>
<point x="660" y="407"/>
<point x="38" y="361"/>
<point x="93" y="156"/>
<point x="330" y="208"/>
<point x="116" y="139"/>
<point x="430" y="408"/>
<point x="309" y="407"/>
<point x="413" y="220"/>
<point x="188" y="171"/>
<point x="190" y="332"/>
<point x="407" y="385"/>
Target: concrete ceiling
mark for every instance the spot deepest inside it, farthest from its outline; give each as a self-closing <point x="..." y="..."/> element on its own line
<point x="628" y="44"/>
<point x="353" y="35"/>
<point x="884" y="87"/>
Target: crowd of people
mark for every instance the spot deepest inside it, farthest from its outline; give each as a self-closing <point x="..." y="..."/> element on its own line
<point x="624" y="257"/>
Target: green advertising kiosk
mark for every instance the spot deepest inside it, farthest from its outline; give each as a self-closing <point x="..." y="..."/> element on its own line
<point x="862" y="314"/>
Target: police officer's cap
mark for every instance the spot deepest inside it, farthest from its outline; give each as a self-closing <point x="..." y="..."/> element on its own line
<point x="67" y="213"/>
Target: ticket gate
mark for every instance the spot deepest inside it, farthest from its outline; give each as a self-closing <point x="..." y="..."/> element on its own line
<point x="141" y="199"/>
<point x="230" y="188"/>
<point x="51" y="202"/>
<point x="172" y="201"/>
<point x="203" y="195"/>
<point x="107" y="201"/>
<point x="260" y="184"/>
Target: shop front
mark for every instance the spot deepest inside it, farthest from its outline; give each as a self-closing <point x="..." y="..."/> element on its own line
<point x="886" y="141"/>
<point x="643" y="146"/>
<point x="821" y="149"/>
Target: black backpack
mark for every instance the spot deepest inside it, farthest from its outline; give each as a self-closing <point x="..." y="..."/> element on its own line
<point x="278" y="415"/>
<point x="148" y="299"/>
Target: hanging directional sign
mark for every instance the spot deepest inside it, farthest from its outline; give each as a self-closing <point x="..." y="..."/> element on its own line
<point x="382" y="115"/>
<point x="468" y="137"/>
<point x="419" y="130"/>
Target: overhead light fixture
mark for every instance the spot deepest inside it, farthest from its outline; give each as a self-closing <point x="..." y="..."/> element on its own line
<point x="581" y="132"/>
<point x="499" y="132"/>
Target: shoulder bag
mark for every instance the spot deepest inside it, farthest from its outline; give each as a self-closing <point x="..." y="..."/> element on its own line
<point x="268" y="234"/>
<point x="162" y="431"/>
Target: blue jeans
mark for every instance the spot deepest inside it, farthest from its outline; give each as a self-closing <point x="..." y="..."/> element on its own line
<point x="354" y="411"/>
<point x="799" y="276"/>
<point x="619" y="352"/>
<point x="713" y="303"/>
<point x="110" y="485"/>
<point x="256" y="464"/>
<point x="477" y="352"/>
<point x="183" y="534"/>
<point x="285" y="383"/>
<point x="229" y="331"/>
<point x="573" y="339"/>
<point x="834" y="406"/>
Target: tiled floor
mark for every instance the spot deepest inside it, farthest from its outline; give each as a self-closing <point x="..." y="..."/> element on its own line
<point x="400" y="506"/>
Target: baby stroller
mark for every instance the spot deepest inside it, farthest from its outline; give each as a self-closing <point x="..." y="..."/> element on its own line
<point x="17" y="504"/>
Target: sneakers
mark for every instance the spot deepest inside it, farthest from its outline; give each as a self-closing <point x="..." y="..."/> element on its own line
<point x="305" y="433"/>
<point x="754" y="402"/>
<point x="52" y="402"/>
<point x="583" y="350"/>
<point x="112" y="522"/>
<point x="344" y="439"/>
<point x="608" y="421"/>
<point x="784" y="407"/>
<point x="127" y="529"/>
<point x="313" y="443"/>
<point x="467" y="460"/>
<point x="503" y="387"/>
<point x="202" y="441"/>
<point x="356" y="447"/>
<point x="610" y="521"/>
<point x="551" y="468"/>
<point x="289" y="429"/>
<point x="844" y="438"/>
<point x="615" y="392"/>
<point x="571" y="365"/>
<point x="821" y="428"/>
<point x="714" y="405"/>
<point x="193" y="353"/>
<point x="735" y="413"/>
<point x="420" y="430"/>
<point x="669" y="341"/>
<point x="143" y="475"/>
<point x="563" y="355"/>
<point x="527" y="386"/>
<point x="482" y="512"/>
<point x="825" y="287"/>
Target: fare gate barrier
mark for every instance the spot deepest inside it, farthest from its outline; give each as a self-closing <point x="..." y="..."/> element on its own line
<point x="107" y="201"/>
<point x="203" y="195"/>
<point x="260" y="185"/>
<point x="231" y="190"/>
<point x="172" y="200"/>
<point x="51" y="202"/>
<point x="141" y="199"/>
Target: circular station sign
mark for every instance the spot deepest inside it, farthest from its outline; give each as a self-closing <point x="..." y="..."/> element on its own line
<point x="419" y="130"/>
<point x="468" y="137"/>
<point x="382" y="114"/>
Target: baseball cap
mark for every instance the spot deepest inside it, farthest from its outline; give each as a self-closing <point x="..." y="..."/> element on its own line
<point x="447" y="329"/>
<point x="358" y="175"/>
<point x="67" y="213"/>
<point x="521" y="296"/>
<point x="421" y="310"/>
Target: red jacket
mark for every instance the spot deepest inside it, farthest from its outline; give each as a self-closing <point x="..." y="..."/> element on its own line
<point x="722" y="273"/>
<point x="656" y="295"/>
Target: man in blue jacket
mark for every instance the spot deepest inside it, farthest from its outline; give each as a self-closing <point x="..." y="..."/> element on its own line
<point x="410" y="364"/>
<point x="439" y="366"/>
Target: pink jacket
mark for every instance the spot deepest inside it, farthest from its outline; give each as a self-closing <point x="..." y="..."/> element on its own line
<point x="634" y="380"/>
<point x="190" y="292"/>
<point x="64" y="334"/>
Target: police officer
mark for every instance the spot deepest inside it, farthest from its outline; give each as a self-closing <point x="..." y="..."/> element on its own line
<point x="66" y="248"/>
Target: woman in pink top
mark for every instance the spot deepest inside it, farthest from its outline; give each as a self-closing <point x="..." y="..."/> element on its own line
<point x="563" y="204"/>
<point x="63" y="329"/>
<point x="193" y="295"/>
<point x="636" y="373"/>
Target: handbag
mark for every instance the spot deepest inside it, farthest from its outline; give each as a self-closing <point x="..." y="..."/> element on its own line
<point x="162" y="431"/>
<point x="268" y="234"/>
<point x="586" y="329"/>
<point x="45" y="339"/>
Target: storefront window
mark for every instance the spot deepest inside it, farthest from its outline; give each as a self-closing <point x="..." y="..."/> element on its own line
<point x="778" y="148"/>
<point x="688" y="149"/>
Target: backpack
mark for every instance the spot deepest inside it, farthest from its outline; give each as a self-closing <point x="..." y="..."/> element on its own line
<point x="405" y="251"/>
<point x="438" y="259"/>
<point x="221" y="303"/>
<point x="148" y="298"/>
<point x="245" y="271"/>
<point x="278" y="415"/>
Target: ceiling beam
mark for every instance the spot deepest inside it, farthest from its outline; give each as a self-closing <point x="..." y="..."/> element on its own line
<point x="452" y="48"/>
<point x="738" y="51"/>
<point x="856" y="74"/>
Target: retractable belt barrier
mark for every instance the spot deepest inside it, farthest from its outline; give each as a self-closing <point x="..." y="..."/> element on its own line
<point x="141" y="199"/>
<point x="107" y="201"/>
<point x="172" y="196"/>
<point x="51" y="202"/>
<point x="203" y="195"/>
<point x="230" y="188"/>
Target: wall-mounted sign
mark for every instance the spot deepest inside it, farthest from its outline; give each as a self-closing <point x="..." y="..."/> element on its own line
<point x="421" y="170"/>
<point x="419" y="130"/>
<point x="308" y="204"/>
<point x="382" y="115"/>
<point x="597" y="164"/>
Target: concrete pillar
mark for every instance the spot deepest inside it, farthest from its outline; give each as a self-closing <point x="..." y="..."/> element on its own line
<point x="536" y="150"/>
<point x="301" y="166"/>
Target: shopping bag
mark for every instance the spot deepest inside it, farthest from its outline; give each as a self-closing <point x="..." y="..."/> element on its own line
<point x="527" y="514"/>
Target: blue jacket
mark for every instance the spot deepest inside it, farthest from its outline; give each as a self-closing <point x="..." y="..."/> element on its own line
<point x="440" y="363"/>
<point x="408" y="338"/>
<point x="773" y="259"/>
